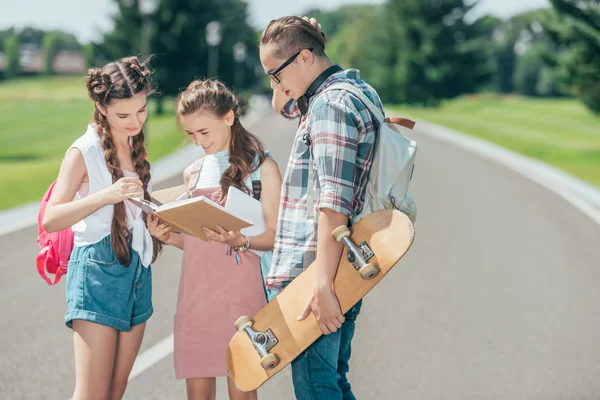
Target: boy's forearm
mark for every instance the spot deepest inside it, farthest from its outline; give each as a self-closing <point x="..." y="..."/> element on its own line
<point x="328" y="249"/>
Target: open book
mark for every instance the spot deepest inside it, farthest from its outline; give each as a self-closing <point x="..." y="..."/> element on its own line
<point x="189" y="215"/>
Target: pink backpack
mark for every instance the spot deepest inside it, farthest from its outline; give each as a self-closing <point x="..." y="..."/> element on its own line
<point x="55" y="247"/>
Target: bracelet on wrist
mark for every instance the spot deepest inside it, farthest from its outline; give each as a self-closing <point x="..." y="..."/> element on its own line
<point x="245" y="246"/>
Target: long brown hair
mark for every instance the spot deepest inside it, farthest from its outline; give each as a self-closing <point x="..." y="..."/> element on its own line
<point x="289" y="35"/>
<point x="213" y="96"/>
<point x="118" y="80"/>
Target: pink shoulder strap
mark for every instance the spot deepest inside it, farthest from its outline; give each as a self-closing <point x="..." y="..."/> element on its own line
<point x="195" y="174"/>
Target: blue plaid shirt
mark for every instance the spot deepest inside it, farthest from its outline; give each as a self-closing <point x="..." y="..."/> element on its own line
<point x="342" y="135"/>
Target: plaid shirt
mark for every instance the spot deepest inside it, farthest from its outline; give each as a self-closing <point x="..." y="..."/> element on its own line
<point x="342" y="135"/>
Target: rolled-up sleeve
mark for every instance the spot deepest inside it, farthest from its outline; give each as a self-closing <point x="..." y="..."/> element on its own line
<point x="334" y="135"/>
<point x="291" y="110"/>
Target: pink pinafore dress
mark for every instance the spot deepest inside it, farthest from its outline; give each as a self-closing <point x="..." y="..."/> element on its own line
<point x="214" y="291"/>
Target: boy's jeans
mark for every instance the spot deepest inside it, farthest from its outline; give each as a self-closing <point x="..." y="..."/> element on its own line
<point x="320" y="372"/>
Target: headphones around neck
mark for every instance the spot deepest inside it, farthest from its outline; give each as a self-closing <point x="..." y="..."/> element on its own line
<point x="305" y="98"/>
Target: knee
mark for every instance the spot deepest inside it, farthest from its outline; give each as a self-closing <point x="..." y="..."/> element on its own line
<point x="201" y="394"/>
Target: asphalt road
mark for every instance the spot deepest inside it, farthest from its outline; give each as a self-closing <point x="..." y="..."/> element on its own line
<point x="497" y="299"/>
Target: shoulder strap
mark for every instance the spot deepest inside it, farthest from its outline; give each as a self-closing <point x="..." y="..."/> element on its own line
<point x="361" y="96"/>
<point x="256" y="178"/>
<point x="256" y="189"/>
<point x="195" y="174"/>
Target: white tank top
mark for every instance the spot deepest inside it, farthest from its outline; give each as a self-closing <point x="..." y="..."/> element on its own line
<point x="97" y="226"/>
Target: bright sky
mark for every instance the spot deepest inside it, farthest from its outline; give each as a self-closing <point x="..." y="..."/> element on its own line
<point x="87" y="22"/>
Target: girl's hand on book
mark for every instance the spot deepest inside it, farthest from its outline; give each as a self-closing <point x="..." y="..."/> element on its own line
<point x="232" y="238"/>
<point x="123" y="189"/>
<point x="160" y="231"/>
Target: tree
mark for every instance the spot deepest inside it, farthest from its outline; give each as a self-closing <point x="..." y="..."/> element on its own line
<point x="31" y="35"/>
<point x="90" y="55"/>
<point x="501" y="37"/>
<point x="350" y="42"/>
<point x="5" y="34"/>
<point x="519" y="44"/>
<point x="576" y="32"/>
<point x="126" y="37"/>
<point x="12" y="50"/>
<point x="528" y="73"/>
<point x="49" y="50"/>
<point x="66" y="41"/>
<point x="179" y="41"/>
<point x="433" y="52"/>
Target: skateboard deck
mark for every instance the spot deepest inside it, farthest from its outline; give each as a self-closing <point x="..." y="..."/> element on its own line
<point x="271" y="339"/>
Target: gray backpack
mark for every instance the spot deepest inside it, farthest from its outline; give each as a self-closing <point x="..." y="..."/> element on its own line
<point x="392" y="167"/>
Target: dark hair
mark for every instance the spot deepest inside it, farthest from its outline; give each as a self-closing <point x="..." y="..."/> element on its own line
<point x="244" y="147"/>
<point x="121" y="79"/>
<point x="291" y="34"/>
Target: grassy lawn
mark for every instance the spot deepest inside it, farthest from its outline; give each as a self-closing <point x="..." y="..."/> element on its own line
<point x="40" y="118"/>
<point x="560" y="132"/>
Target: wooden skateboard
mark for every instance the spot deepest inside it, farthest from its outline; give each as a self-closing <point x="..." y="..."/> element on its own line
<point x="269" y="341"/>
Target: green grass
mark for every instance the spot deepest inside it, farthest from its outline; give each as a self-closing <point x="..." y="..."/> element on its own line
<point x="40" y="118"/>
<point x="560" y="132"/>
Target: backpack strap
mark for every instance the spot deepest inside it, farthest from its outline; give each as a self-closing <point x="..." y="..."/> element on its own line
<point x="256" y="183"/>
<point x="255" y="176"/>
<point x="195" y="174"/>
<point x="41" y="266"/>
<point x="405" y="122"/>
<point x="256" y="189"/>
<point x="361" y="96"/>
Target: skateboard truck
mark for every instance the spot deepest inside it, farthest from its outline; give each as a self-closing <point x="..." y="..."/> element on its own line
<point x="262" y="342"/>
<point x="357" y="255"/>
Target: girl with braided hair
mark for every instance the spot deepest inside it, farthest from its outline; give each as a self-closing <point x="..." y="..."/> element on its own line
<point x="109" y="278"/>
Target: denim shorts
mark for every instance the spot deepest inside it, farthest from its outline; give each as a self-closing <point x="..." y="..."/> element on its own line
<point x="101" y="290"/>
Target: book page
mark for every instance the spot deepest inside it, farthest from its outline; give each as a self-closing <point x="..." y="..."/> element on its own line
<point x="246" y="206"/>
<point x="147" y="206"/>
<point x="169" y="195"/>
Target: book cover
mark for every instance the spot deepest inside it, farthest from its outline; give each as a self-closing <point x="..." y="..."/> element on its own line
<point x="189" y="215"/>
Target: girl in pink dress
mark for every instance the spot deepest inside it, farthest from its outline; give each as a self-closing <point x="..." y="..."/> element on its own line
<point x="220" y="280"/>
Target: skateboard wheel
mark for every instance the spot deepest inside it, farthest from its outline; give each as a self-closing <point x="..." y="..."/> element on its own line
<point x="242" y="323"/>
<point x="269" y="361"/>
<point x="341" y="232"/>
<point x="369" y="271"/>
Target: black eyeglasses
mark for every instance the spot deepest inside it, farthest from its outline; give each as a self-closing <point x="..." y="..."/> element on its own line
<point x="273" y="75"/>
